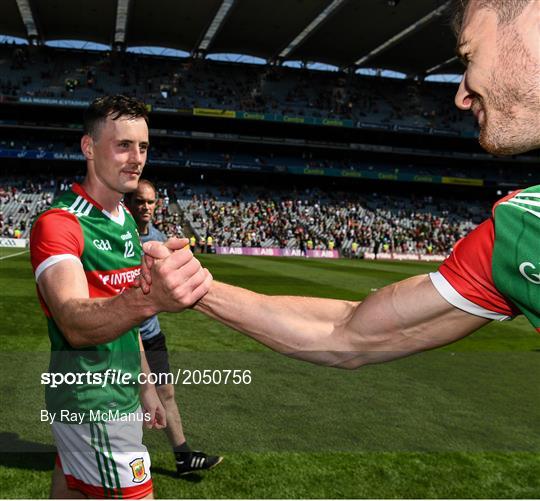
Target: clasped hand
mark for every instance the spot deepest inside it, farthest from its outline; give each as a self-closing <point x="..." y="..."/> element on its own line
<point x="171" y="277"/>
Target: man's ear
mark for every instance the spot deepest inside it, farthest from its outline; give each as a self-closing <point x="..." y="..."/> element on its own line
<point x="87" y="147"/>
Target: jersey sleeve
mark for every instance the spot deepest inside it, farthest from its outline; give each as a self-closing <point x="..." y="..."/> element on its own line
<point x="56" y="235"/>
<point x="465" y="279"/>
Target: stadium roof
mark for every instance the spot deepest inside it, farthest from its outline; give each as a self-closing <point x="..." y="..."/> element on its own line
<point x="409" y="36"/>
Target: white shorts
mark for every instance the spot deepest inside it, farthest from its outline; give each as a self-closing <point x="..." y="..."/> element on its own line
<point x="105" y="459"/>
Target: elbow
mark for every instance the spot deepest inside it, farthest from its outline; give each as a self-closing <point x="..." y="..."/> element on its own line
<point x="73" y="333"/>
<point x="75" y="342"/>
<point x="353" y="364"/>
<point x="73" y="337"/>
<point x="367" y="348"/>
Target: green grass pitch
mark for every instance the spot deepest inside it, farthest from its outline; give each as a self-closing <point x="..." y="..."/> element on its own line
<point x="461" y="421"/>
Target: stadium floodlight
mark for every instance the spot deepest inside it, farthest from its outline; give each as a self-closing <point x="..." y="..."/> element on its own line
<point x="28" y="18"/>
<point x="121" y="22"/>
<point x="404" y="33"/>
<point x="323" y="16"/>
<point x="215" y="25"/>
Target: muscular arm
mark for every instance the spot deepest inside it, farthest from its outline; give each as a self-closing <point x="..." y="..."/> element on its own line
<point x="178" y="282"/>
<point x="85" y="321"/>
<point x="399" y="320"/>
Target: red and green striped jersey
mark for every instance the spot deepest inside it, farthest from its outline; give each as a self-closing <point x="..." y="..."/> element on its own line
<point x="78" y="228"/>
<point x="494" y="272"/>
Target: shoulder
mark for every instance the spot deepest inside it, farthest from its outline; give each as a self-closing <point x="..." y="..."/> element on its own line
<point x="56" y="234"/>
<point x="129" y="217"/>
<point x="516" y="197"/>
<point x="55" y="220"/>
<point x="465" y="279"/>
<point x="155" y="234"/>
<point x="68" y="200"/>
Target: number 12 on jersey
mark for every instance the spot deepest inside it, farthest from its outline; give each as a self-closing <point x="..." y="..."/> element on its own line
<point x="128" y="249"/>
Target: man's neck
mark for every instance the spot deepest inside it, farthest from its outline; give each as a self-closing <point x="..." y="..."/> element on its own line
<point x="106" y="197"/>
<point x="143" y="228"/>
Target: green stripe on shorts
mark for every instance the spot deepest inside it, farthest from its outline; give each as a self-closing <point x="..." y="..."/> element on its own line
<point x="115" y="470"/>
<point x="98" y="459"/>
<point x="107" y="468"/>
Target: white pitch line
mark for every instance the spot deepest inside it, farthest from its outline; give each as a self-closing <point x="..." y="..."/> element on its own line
<point x="13" y="255"/>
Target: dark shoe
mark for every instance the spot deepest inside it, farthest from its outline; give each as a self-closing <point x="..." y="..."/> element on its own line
<point x="189" y="462"/>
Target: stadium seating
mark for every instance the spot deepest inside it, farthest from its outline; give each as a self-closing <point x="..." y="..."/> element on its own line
<point x="314" y="219"/>
<point x="163" y="152"/>
<point x="282" y="219"/>
<point x="177" y="83"/>
<point x="20" y="201"/>
<point x="256" y="217"/>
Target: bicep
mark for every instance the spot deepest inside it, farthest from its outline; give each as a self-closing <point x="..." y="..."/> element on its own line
<point x="62" y="282"/>
<point x="406" y="318"/>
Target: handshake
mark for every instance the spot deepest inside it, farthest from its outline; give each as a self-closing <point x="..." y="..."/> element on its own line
<point x="172" y="279"/>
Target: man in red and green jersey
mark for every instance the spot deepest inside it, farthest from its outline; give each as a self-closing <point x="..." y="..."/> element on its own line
<point x="86" y="257"/>
<point x="77" y="228"/>
<point x="493" y="273"/>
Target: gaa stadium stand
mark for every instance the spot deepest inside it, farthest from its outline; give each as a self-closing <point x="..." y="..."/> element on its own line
<point x="314" y="219"/>
<point x="20" y="202"/>
<point x="188" y="83"/>
<point x="22" y="199"/>
<point x="169" y="152"/>
<point x="252" y="216"/>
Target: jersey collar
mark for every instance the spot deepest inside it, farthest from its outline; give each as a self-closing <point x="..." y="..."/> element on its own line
<point x="79" y="190"/>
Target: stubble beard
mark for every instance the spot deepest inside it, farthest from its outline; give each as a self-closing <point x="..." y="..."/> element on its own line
<point x="512" y="103"/>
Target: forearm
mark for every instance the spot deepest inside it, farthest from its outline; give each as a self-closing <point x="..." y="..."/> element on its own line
<point x="89" y="322"/>
<point x="145" y="368"/>
<point x="397" y="321"/>
<point x="178" y="282"/>
<point x="312" y="329"/>
<point x="154" y="412"/>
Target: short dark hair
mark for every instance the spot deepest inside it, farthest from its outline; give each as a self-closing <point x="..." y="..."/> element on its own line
<point x="506" y="10"/>
<point x="114" y="107"/>
<point x="128" y="197"/>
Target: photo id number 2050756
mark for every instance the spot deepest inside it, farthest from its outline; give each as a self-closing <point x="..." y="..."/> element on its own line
<point x="214" y="376"/>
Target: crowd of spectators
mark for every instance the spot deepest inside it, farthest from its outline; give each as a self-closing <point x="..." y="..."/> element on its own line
<point x="166" y="219"/>
<point x="21" y="200"/>
<point x="191" y="83"/>
<point x="315" y="220"/>
<point x="247" y="216"/>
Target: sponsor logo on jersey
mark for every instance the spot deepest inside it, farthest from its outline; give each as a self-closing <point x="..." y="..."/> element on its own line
<point x="127" y="236"/>
<point x="121" y="278"/>
<point x="138" y="470"/>
<point x="528" y="270"/>
<point x="102" y="245"/>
